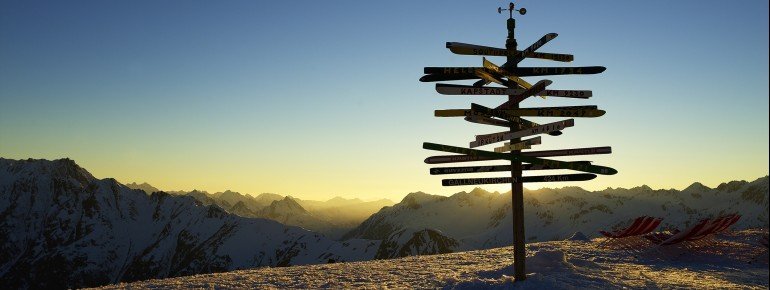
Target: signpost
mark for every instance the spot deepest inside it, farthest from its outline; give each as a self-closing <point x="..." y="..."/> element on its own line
<point x="485" y="139"/>
<point x="521" y="72"/>
<point x="527" y="179"/>
<point x="521" y="158"/>
<point x="524" y="144"/>
<point x="525" y="112"/>
<point x="569" y="152"/>
<point x="556" y="112"/>
<point x="448" y="89"/>
<point x="455" y="158"/>
<point x="488" y="121"/>
<point x="492" y="168"/>
<point x="472" y="49"/>
<point x="511" y="115"/>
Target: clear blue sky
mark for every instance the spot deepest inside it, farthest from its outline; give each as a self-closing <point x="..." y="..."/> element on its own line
<point x="321" y="98"/>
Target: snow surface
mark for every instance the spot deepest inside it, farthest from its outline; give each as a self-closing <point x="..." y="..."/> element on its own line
<point x="735" y="260"/>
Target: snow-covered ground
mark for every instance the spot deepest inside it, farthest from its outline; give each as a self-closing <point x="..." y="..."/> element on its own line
<point x="734" y="260"/>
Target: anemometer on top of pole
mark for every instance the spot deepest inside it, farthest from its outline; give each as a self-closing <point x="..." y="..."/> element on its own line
<point x="510" y="10"/>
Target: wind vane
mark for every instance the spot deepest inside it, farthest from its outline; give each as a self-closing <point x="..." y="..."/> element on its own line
<point x="510" y="115"/>
<point x="510" y="9"/>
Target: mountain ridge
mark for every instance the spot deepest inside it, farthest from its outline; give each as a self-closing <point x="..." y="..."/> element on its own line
<point x="479" y="219"/>
<point x="62" y="227"/>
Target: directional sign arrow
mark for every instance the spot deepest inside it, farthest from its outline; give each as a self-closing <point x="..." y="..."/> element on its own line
<point x="482" y="140"/>
<point x="579" y="111"/>
<point x="495" y="68"/>
<point x="519" y="71"/>
<point x="502" y="123"/>
<point x="451" y="70"/>
<point x="502" y="114"/>
<point x="474" y="181"/>
<point x="534" y="90"/>
<point x="521" y="123"/>
<point x="524" y="179"/>
<point x="455" y="158"/>
<point x="518" y="157"/>
<point x="569" y="152"/>
<point x="545" y="153"/>
<point x="471" y="169"/>
<point x="586" y="112"/>
<point x="553" y="56"/>
<point x="447" y="77"/>
<point x="435" y="74"/>
<point x="450" y="89"/>
<point x="550" y="71"/>
<point x="490" y="168"/>
<point x="473" y="49"/>
<point x="574" y="111"/>
<point x="524" y="144"/>
<point x="489" y="78"/>
<point x="488" y="121"/>
<point x="531" y="49"/>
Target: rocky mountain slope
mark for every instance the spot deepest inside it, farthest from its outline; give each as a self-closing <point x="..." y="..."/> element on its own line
<point x="62" y="227"/>
<point x="287" y="211"/>
<point x="409" y="242"/>
<point x="479" y="219"/>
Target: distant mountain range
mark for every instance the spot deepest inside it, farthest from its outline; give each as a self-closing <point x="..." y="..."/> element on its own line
<point x="333" y="217"/>
<point x="479" y="219"/>
<point x="149" y="189"/>
<point x="60" y="227"/>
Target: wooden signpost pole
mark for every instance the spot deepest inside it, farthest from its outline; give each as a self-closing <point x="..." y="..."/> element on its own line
<point x="511" y="115"/>
<point x="517" y="188"/>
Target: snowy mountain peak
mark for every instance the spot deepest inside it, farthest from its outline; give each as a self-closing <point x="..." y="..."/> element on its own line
<point x="480" y="192"/>
<point x="267" y="198"/>
<point x="195" y="191"/>
<point x="410" y="242"/>
<point x="697" y="186"/>
<point x="342" y="201"/>
<point x="285" y="206"/>
<point x="230" y="192"/>
<point x="144" y="186"/>
<point x="732" y="185"/>
<point x="64" y="168"/>
<point x="233" y="197"/>
<point x="415" y="199"/>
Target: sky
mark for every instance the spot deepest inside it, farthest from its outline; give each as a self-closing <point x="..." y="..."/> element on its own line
<point x="317" y="99"/>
